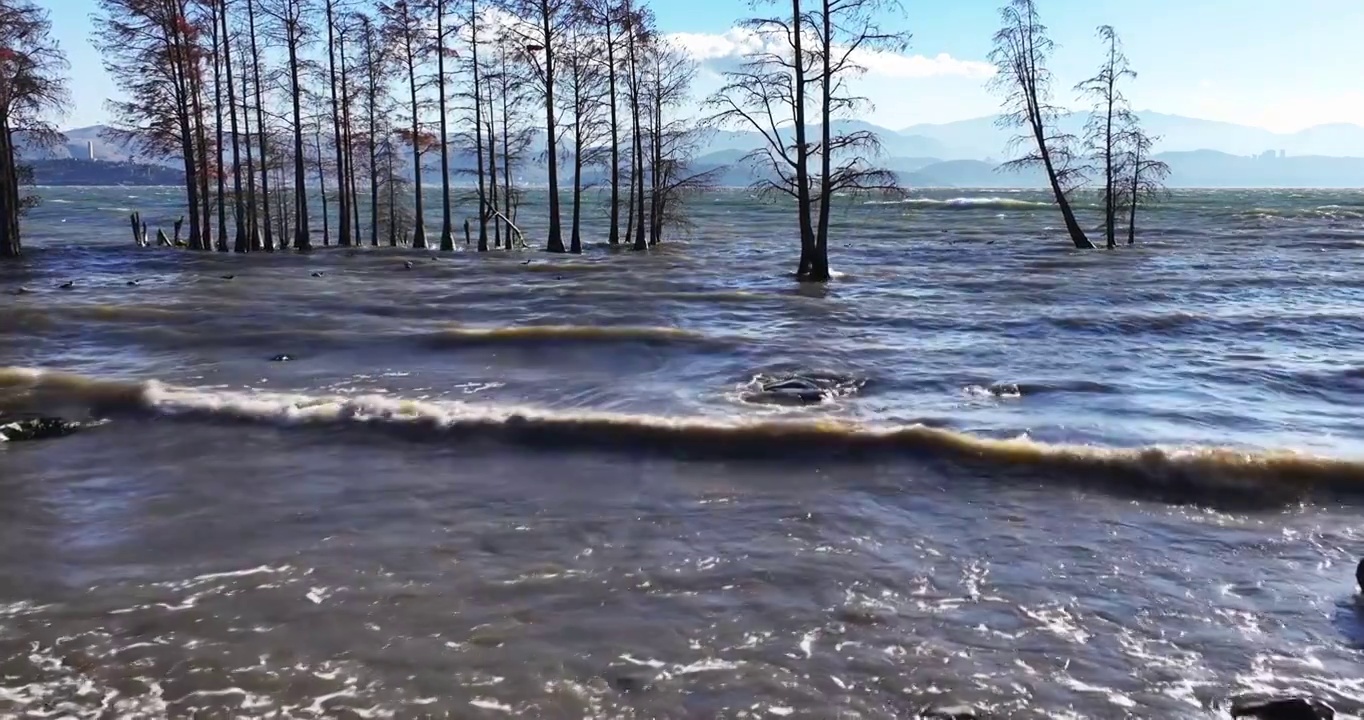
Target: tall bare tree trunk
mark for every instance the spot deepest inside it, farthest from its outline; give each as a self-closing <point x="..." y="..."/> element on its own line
<point x="342" y="201"/>
<point x="219" y="51"/>
<point x="261" y="130"/>
<point x="302" y="235"/>
<point x="240" y="243"/>
<point x="555" y="243"/>
<point x="478" y="128"/>
<point x="613" y="232"/>
<point x="447" y="226"/>
<point x="808" y="250"/>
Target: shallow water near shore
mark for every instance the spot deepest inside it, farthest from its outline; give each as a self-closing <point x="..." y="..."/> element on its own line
<point x="1044" y="482"/>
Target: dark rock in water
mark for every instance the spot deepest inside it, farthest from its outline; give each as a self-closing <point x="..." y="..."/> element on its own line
<point x="798" y="389"/>
<point x="407" y="265"/>
<point x="42" y="428"/>
<point x="228" y="277"/>
<point x="950" y="712"/>
<point x="282" y="358"/>
<point x="133" y="283"/>
<point x="628" y="681"/>
<point x="318" y="273"/>
<point x="67" y="285"/>
<point x="1296" y="708"/>
<point x="1359" y="575"/>
<point x="801" y="388"/>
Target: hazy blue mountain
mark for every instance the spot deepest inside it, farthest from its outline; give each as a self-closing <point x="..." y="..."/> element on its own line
<point x="982" y="138"/>
<point x="1197" y="169"/>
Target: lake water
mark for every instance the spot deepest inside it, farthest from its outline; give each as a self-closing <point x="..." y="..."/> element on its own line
<point x="1047" y="483"/>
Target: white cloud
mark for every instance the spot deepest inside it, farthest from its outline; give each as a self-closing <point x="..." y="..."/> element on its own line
<point x="731" y="46"/>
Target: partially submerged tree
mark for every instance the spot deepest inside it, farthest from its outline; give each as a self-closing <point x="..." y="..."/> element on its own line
<point x="542" y="33"/>
<point x="336" y="83"/>
<point x="476" y="91"/>
<point x="1022" y="49"/>
<point x="1144" y="176"/>
<point x="32" y="92"/>
<point x="405" y="31"/>
<point x="442" y="49"/>
<point x="606" y="16"/>
<point x="293" y="28"/>
<point x="806" y="59"/>
<point x="583" y="95"/>
<point x="674" y="139"/>
<point x="1104" y="129"/>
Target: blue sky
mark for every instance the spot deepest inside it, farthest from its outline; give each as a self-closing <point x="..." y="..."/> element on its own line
<point x="1278" y="64"/>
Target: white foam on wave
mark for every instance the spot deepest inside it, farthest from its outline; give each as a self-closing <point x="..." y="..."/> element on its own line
<point x="966" y="203"/>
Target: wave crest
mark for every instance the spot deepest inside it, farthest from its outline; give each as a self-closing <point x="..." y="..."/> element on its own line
<point x="967" y="203"/>
<point x="1207" y="475"/>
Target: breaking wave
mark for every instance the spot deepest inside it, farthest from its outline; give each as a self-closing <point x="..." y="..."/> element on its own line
<point x="562" y="334"/>
<point x="1207" y="475"/>
<point x="967" y="203"/>
<point x="1322" y="212"/>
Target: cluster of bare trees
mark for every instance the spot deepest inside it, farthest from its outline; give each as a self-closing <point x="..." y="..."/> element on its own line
<point x="809" y="51"/>
<point x="275" y="107"/>
<point x="32" y="92"/>
<point x="1115" y="152"/>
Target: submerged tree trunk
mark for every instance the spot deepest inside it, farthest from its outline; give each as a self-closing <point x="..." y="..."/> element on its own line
<point x="322" y="189"/>
<point x="478" y="128"/>
<point x="419" y="231"/>
<point x="447" y="225"/>
<point x="261" y="130"/>
<point x="808" y="250"/>
<point x="302" y="236"/>
<point x="342" y="199"/>
<point x="253" y="231"/>
<point x="239" y="239"/>
<point x="555" y="243"/>
<point x="219" y="51"/>
<point x="613" y="232"/>
<point x="10" y="246"/>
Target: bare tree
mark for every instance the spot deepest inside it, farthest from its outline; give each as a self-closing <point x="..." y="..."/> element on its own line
<point x="337" y="87"/>
<point x="1022" y="49"/>
<point x="808" y="58"/>
<point x="606" y="15"/>
<point x="292" y="28"/>
<point x="441" y="48"/>
<point x="403" y="25"/>
<point x="473" y="24"/>
<point x="240" y="241"/>
<point x="583" y="92"/>
<point x="1103" y="131"/>
<point x="674" y="138"/>
<point x="542" y="34"/>
<point x="1145" y="176"/>
<point x="32" y="91"/>
<point x="376" y="70"/>
<point x="218" y="51"/>
<point x="640" y="33"/>
<point x="262" y="132"/>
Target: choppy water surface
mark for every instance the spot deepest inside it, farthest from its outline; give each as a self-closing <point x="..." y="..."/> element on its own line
<point x="1048" y="483"/>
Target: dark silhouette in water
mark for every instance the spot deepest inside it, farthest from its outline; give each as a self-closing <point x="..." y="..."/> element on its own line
<point x="1359" y="576"/>
<point x="1283" y="709"/>
<point x="41" y="428"/>
<point x="949" y="712"/>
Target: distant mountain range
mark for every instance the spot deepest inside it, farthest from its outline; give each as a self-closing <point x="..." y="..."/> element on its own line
<point x="1201" y="153"/>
